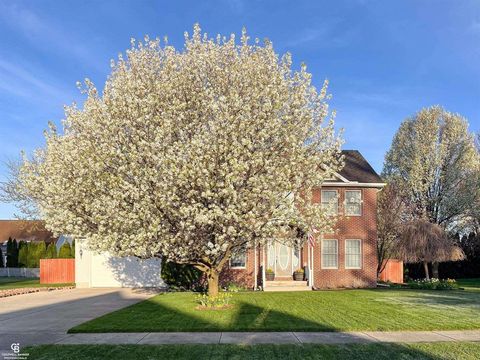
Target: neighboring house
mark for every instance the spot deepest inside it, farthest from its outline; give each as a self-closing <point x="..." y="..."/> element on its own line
<point x="23" y="230"/>
<point x="345" y="258"/>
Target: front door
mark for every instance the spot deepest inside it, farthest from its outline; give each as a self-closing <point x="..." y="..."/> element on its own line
<point x="283" y="259"/>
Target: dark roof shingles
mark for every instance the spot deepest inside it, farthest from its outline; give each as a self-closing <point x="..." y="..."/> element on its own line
<point x="358" y="169"/>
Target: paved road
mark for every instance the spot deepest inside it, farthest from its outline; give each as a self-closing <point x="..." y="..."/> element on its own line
<point x="45" y="317"/>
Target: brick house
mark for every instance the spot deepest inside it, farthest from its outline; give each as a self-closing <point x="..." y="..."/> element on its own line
<point x="345" y="258"/>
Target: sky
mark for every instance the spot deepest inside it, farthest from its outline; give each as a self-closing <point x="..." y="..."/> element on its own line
<point x="384" y="60"/>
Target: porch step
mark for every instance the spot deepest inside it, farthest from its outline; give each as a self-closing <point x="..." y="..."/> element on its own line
<point x="288" y="288"/>
<point x="286" y="285"/>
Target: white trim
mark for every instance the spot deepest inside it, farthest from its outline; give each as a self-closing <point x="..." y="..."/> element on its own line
<point x="321" y="255"/>
<point x="345" y="202"/>
<point x="353" y="184"/>
<point x="344" y="179"/>
<point x="255" y="268"/>
<point x="361" y="255"/>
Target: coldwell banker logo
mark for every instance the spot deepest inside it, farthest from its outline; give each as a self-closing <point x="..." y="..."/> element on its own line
<point x="15" y="354"/>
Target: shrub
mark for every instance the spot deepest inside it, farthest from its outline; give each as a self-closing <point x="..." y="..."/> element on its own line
<point x="181" y="276"/>
<point x="65" y="251"/>
<point x="433" y="284"/>
<point x="219" y="301"/>
<point x="233" y="287"/>
<point x="300" y="270"/>
<point x="72" y="255"/>
<point x="269" y="271"/>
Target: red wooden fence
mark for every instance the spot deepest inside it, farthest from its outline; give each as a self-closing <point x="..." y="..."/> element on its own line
<point x="56" y="271"/>
<point x="393" y="271"/>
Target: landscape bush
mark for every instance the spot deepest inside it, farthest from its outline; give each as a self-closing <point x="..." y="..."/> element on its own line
<point x="433" y="284"/>
<point x="182" y="277"/>
<point x="219" y="301"/>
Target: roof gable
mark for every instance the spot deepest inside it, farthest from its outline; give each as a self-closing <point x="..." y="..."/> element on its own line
<point x="357" y="168"/>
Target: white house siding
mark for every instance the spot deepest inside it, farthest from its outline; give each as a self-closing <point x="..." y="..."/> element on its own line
<point x="103" y="270"/>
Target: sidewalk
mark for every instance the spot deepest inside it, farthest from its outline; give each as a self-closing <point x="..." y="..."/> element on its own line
<point x="270" y="337"/>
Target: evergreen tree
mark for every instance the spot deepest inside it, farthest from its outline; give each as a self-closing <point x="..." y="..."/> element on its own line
<point x="40" y="254"/>
<point x="51" y="251"/>
<point x="31" y="254"/>
<point x="15" y="253"/>
<point x="73" y="250"/>
<point x="22" y="254"/>
<point x="9" y="252"/>
<point x="1" y="258"/>
<point x="65" y="251"/>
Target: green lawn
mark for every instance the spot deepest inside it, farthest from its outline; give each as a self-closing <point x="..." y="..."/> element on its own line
<point x="452" y="350"/>
<point x="340" y="310"/>
<point x="15" y="283"/>
<point x="472" y="284"/>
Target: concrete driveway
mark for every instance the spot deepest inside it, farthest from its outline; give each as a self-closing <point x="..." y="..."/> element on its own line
<point x="45" y="317"/>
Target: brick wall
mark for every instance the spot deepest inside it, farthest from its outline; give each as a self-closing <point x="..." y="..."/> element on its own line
<point x="353" y="227"/>
<point x="244" y="277"/>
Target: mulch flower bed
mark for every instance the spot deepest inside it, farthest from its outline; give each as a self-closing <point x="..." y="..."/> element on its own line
<point x="221" y="307"/>
<point x="21" y="291"/>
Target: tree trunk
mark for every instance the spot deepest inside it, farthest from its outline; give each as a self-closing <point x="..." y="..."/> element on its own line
<point x="425" y="266"/>
<point x="435" y="270"/>
<point x="212" y="277"/>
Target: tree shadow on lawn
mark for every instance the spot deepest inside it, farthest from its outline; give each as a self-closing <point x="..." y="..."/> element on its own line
<point x="154" y="316"/>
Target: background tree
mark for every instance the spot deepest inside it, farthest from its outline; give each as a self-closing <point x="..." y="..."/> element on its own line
<point x="188" y="154"/>
<point x="33" y="254"/>
<point x="393" y="210"/>
<point x="12" y="253"/>
<point x="433" y="156"/>
<point x="424" y="242"/>
<point x="65" y="251"/>
<point x="1" y="258"/>
<point x="23" y="254"/>
<point x="51" y="252"/>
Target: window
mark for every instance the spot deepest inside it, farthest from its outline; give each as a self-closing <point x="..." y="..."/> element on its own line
<point x="353" y="254"/>
<point x="329" y="254"/>
<point x="238" y="259"/>
<point x="330" y="201"/>
<point x="353" y="202"/>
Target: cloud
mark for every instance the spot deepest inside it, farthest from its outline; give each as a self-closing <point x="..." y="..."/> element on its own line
<point x="44" y="35"/>
<point x="475" y="27"/>
<point x="326" y="34"/>
<point x="22" y="81"/>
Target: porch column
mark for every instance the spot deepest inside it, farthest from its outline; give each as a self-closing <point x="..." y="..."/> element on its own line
<point x="263" y="268"/>
<point x="255" y="269"/>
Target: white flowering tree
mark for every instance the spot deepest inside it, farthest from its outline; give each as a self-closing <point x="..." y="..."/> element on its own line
<point x="434" y="159"/>
<point x="190" y="154"/>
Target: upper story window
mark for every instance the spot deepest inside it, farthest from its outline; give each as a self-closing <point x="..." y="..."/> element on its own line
<point x="238" y="259"/>
<point x="329" y="254"/>
<point x="353" y="202"/>
<point x="330" y="201"/>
